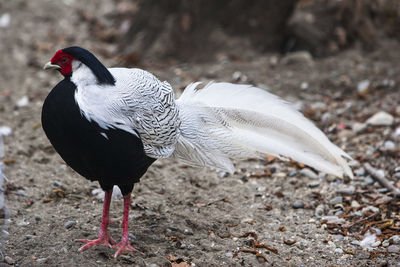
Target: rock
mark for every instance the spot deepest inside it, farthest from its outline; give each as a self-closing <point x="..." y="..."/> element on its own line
<point x="355" y="204"/>
<point x="363" y="87"/>
<point x="333" y="219"/>
<point x="370" y="209"/>
<point x="300" y="57"/>
<point x="395" y="239"/>
<point x="358" y="127"/>
<point x="376" y="244"/>
<point x="24" y="101"/>
<point x="359" y="172"/>
<point x="355" y="242"/>
<point x="309" y="173"/>
<point x="57" y="183"/>
<point x="304" y="85"/>
<point x="362" y="255"/>
<point x="381" y="119"/>
<point x="21" y="193"/>
<point x="385" y="243"/>
<point x="389" y="145"/>
<point x="5" y="130"/>
<point x="38" y="218"/>
<point x="368" y="240"/>
<point x="41" y="260"/>
<point x="393" y="248"/>
<point x="369" y="180"/>
<point x="237" y="76"/>
<point x="337" y="237"/>
<point x="346" y="189"/>
<point x="314" y="184"/>
<point x="9" y="260"/>
<point x="336" y="200"/>
<point x="338" y="250"/>
<point x="5" y="20"/>
<point x="357" y="213"/>
<point x="69" y="224"/>
<point x="396" y="134"/>
<point x="320" y="210"/>
<point x="331" y="244"/>
<point x="298" y="205"/>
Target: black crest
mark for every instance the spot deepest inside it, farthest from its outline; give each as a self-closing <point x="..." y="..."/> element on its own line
<point x="100" y="71"/>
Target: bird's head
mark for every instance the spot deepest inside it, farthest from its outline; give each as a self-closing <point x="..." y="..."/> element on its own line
<point x="68" y="60"/>
<point x="61" y="61"/>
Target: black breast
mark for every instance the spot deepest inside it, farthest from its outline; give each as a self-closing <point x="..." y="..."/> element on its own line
<point x="113" y="156"/>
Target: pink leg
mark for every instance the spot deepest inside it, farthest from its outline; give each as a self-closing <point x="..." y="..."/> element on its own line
<point x="125" y="242"/>
<point x="103" y="237"/>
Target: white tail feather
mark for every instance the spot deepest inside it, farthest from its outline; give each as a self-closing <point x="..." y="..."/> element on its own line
<point x="226" y="121"/>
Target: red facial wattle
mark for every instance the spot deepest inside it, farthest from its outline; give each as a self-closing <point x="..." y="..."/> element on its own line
<point x="63" y="60"/>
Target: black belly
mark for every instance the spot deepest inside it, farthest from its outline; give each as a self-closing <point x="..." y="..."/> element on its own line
<point x="117" y="159"/>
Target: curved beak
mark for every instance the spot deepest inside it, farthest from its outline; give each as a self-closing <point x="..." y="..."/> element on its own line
<point x="49" y="66"/>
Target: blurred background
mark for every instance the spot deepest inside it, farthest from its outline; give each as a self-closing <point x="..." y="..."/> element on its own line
<point x="337" y="61"/>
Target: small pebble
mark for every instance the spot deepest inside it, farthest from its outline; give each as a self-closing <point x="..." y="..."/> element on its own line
<point x="69" y="224"/>
<point x="362" y="255"/>
<point x="304" y="85"/>
<point x="21" y="193"/>
<point x="38" y="218"/>
<point x="57" y="183"/>
<point x="23" y="102"/>
<point x="395" y="239"/>
<point x="370" y="209"/>
<point x="363" y="87"/>
<point x="309" y="173"/>
<point x="298" y="205"/>
<point x="333" y="219"/>
<point x="339" y="251"/>
<point x="314" y="184"/>
<point x="359" y="127"/>
<point x="368" y="180"/>
<point x="131" y="236"/>
<point x="355" y="204"/>
<point x="357" y="213"/>
<point x="41" y="260"/>
<point x="345" y="189"/>
<point x="320" y="210"/>
<point x="292" y="173"/>
<point x="381" y="119"/>
<point x="393" y="248"/>
<point x="336" y="200"/>
<point x="389" y="145"/>
<point x="359" y="172"/>
<point x="355" y="242"/>
<point x="376" y="244"/>
<point x="9" y="260"/>
<point x="337" y="237"/>
<point x="229" y="255"/>
<point x="385" y="243"/>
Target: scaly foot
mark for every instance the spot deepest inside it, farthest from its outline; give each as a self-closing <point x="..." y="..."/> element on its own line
<point x="123" y="246"/>
<point x="103" y="239"/>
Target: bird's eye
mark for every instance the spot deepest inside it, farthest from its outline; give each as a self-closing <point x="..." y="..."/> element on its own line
<point x="64" y="60"/>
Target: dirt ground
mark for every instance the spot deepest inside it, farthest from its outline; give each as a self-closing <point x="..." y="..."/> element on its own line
<point x="184" y="216"/>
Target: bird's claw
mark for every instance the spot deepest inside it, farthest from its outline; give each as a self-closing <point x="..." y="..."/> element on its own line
<point x="123" y="246"/>
<point x="105" y="239"/>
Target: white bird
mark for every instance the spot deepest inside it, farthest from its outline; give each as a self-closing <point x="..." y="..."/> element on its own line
<point x="111" y="124"/>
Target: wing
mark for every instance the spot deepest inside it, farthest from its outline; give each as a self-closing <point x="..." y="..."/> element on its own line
<point x="138" y="103"/>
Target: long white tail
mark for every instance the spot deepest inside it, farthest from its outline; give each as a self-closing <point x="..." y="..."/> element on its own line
<point x="226" y="121"/>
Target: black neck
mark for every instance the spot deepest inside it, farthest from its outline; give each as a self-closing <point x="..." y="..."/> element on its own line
<point x="99" y="70"/>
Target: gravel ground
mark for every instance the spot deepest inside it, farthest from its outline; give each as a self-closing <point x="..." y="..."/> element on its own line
<point x="267" y="213"/>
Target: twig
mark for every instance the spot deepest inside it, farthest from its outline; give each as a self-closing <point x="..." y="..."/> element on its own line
<point x="380" y="178"/>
